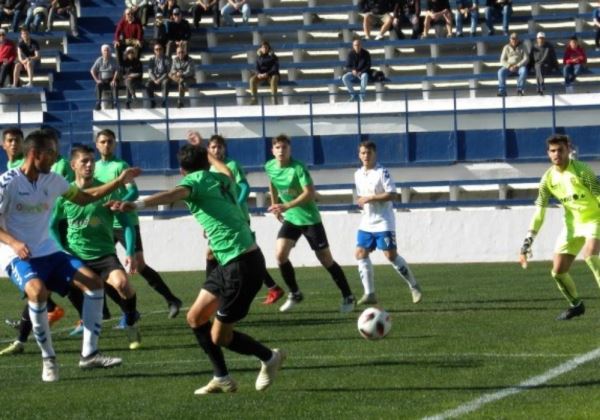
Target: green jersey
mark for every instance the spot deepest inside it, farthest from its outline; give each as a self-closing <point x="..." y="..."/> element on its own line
<point x="577" y="188"/>
<point x="238" y="176"/>
<point x="213" y="204"/>
<point x="63" y="167"/>
<point x="289" y="182"/>
<point x="17" y="163"/>
<point x="90" y="227"/>
<point x="108" y="170"/>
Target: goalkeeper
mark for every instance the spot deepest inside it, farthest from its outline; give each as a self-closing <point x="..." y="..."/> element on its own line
<point x="575" y="185"/>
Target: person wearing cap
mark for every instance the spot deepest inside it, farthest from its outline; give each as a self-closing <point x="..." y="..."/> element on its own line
<point x="493" y="10"/>
<point x="542" y="58"/>
<point x="139" y="8"/>
<point x="131" y="72"/>
<point x="179" y="32"/>
<point x="105" y="72"/>
<point x="129" y="32"/>
<point x="28" y="58"/>
<point x="160" y="34"/>
<point x="12" y="10"/>
<point x="267" y="71"/>
<point x="183" y="73"/>
<point x="205" y="7"/>
<point x="8" y="55"/>
<point x="574" y="60"/>
<point x="158" y="75"/>
<point x="233" y="6"/>
<point x="513" y="60"/>
<point x="65" y="9"/>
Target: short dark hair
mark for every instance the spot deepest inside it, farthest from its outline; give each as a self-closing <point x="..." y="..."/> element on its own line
<point x="106" y="132"/>
<point x="38" y="140"/>
<point x="282" y="138"/>
<point x="368" y="144"/>
<point x="78" y="148"/>
<point x="265" y="43"/>
<point x="558" y="139"/>
<point x="51" y="132"/>
<point x="15" y="131"/>
<point x="193" y="158"/>
<point x="219" y="139"/>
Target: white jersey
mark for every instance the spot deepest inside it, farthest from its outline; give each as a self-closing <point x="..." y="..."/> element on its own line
<point x="377" y="216"/>
<point x="25" y="211"/>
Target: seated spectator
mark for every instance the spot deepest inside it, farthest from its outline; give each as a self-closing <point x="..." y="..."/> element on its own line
<point x="438" y="11"/>
<point x="513" y="60"/>
<point x="233" y="6"/>
<point x="466" y="9"/>
<point x="8" y="56"/>
<point x="267" y="71"/>
<point x="374" y="11"/>
<point x="574" y="61"/>
<point x="179" y="33"/>
<point x="183" y="73"/>
<point x="36" y="14"/>
<point x="129" y="33"/>
<point x="28" y="58"/>
<point x="65" y="9"/>
<point x="140" y="10"/>
<point x="596" y="20"/>
<point x="161" y="34"/>
<point x="403" y="12"/>
<point x="543" y="59"/>
<point x="105" y="72"/>
<point x="12" y="10"/>
<point x="167" y="8"/>
<point x="358" y="65"/>
<point x="493" y="10"/>
<point x="158" y="75"/>
<point x="131" y="72"/>
<point x="205" y="7"/>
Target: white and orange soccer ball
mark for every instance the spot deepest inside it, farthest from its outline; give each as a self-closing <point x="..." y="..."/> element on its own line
<point x="374" y="323"/>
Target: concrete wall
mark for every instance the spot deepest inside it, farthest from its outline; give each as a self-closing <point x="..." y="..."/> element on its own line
<point x="481" y="235"/>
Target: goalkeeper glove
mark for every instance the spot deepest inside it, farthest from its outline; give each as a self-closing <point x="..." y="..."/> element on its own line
<point x="526" y="248"/>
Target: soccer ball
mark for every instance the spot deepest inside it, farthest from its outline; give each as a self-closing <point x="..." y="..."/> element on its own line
<point x="374" y="323"/>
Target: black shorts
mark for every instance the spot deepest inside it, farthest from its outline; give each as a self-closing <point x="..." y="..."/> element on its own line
<point x="120" y="238"/>
<point x="103" y="266"/>
<point x="236" y="284"/>
<point x="314" y="234"/>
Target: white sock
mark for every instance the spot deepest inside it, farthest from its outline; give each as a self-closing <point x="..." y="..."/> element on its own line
<point x="38" y="312"/>
<point x="365" y="272"/>
<point x="92" y="320"/>
<point x="402" y="268"/>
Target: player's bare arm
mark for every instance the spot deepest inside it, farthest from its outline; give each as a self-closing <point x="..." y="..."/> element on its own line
<point x="19" y="247"/>
<point x="165" y="197"/>
<point x="83" y="197"/>
<point x="219" y="166"/>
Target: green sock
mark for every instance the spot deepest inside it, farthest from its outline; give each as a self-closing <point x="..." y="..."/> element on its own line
<point x="567" y="287"/>
<point x="594" y="263"/>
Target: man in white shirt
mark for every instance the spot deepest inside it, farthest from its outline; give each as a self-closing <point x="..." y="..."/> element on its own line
<point x="33" y="260"/>
<point x="375" y="190"/>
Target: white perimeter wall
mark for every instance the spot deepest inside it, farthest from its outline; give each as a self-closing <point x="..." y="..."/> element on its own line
<point x="438" y="236"/>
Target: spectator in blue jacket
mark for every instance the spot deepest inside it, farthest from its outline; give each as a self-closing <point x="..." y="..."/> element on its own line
<point x="358" y="65"/>
<point x="267" y="70"/>
<point x="466" y="9"/>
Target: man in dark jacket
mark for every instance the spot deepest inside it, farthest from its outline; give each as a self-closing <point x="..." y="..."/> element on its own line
<point x="267" y="70"/>
<point x="179" y="32"/>
<point x="131" y="71"/>
<point x="13" y="10"/>
<point x="358" y="65"/>
<point x="158" y="75"/>
<point x="543" y="59"/>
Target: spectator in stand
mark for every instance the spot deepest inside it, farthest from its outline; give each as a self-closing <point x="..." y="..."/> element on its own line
<point x="131" y="72"/>
<point x="596" y="20"/>
<point x="8" y="56"/>
<point x="28" y="58"/>
<point x="233" y="6"/>
<point x="129" y="32"/>
<point x="358" y="65"/>
<point x="267" y="70"/>
<point x="183" y="73"/>
<point x="158" y="75"/>
<point x="374" y="11"/>
<point x="543" y="59"/>
<point x="167" y="8"/>
<point x="105" y="72"/>
<point x="574" y="61"/>
<point x="466" y="9"/>
<point x="36" y="14"/>
<point x="403" y="11"/>
<point x="140" y="9"/>
<point x="12" y="10"/>
<point x="438" y="11"/>
<point x="65" y="9"/>
<point x="205" y="7"/>
<point x="493" y="10"/>
<point x="513" y="60"/>
<point x="161" y="34"/>
<point x="179" y="33"/>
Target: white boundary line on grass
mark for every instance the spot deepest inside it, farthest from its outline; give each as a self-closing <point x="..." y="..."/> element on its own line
<point x="533" y="382"/>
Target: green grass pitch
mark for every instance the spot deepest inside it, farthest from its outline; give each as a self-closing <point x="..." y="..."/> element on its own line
<point x="480" y="329"/>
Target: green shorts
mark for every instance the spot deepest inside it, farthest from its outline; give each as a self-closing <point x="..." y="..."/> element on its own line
<point x="573" y="237"/>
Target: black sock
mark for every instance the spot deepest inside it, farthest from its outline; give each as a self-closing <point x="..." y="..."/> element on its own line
<point x="214" y="352"/>
<point x="156" y="282"/>
<point x="25" y="325"/>
<point x="51" y="305"/>
<point x="338" y="276"/>
<point x="268" y="280"/>
<point x="114" y="295"/>
<point x="289" y="276"/>
<point x="75" y="296"/>
<point x="244" y="344"/>
<point x="129" y="308"/>
<point x="211" y="265"/>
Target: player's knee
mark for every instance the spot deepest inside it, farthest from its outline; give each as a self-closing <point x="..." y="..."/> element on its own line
<point x="361" y="253"/>
<point x="36" y="291"/>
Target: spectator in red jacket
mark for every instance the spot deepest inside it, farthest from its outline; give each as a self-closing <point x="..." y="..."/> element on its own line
<point x="129" y="32"/>
<point x="573" y="62"/>
<point x="8" y="55"/>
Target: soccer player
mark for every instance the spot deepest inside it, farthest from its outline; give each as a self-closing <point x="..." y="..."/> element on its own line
<point x="33" y="260"/>
<point x="90" y="237"/>
<point x="376" y="191"/>
<point x="293" y="203"/>
<point x="231" y="287"/>
<point x="575" y="185"/>
<point x="108" y="168"/>
<point x="218" y="149"/>
<point x="12" y="143"/>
